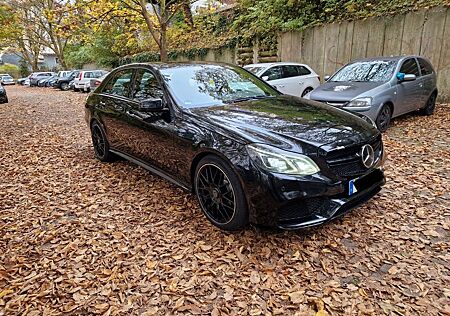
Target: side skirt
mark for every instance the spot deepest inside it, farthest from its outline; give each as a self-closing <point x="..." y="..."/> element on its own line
<point x="152" y="169"/>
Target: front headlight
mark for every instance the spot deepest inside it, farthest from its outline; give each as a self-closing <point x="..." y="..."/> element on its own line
<point x="280" y="161"/>
<point x="359" y="103"/>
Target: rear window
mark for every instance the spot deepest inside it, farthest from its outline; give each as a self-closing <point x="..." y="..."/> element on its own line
<point x="425" y="67"/>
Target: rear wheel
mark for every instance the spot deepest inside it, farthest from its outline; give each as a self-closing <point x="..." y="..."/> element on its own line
<point x="307" y="90"/>
<point x="384" y="118"/>
<point x="430" y="106"/>
<point x="220" y="194"/>
<point x="65" y="86"/>
<point x="100" y="143"/>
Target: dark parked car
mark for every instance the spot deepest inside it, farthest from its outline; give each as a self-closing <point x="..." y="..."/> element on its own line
<point x="3" y="96"/>
<point x="46" y="82"/>
<point x="63" y="83"/>
<point x="35" y="77"/>
<point x="381" y="88"/>
<point x="249" y="153"/>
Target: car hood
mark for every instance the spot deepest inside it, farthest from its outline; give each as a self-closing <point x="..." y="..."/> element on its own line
<point x="288" y="122"/>
<point x="342" y="91"/>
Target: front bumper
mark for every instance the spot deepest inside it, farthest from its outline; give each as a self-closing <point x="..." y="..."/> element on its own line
<point x="290" y="202"/>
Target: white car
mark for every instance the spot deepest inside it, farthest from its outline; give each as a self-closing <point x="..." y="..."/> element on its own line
<point x="289" y="78"/>
<point x="4" y="80"/>
<point x="83" y="81"/>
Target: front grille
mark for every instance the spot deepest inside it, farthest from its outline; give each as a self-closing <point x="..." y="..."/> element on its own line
<point x="337" y="104"/>
<point x="347" y="162"/>
<point x="306" y="208"/>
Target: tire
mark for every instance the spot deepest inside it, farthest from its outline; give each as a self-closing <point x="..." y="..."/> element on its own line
<point x="64" y="86"/>
<point x="429" y="106"/>
<point x="384" y="118"/>
<point x="220" y="194"/>
<point x="306" y="91"/>
<point x="100" y="143"/>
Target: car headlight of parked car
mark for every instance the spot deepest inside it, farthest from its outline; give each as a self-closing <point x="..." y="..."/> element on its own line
<point x="360" y="102"/>
<point x="280" y="161"/>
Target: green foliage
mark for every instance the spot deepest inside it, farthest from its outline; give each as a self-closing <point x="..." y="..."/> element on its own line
<point x="13" y="70"/>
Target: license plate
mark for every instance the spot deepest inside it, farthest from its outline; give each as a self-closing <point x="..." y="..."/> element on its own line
<point x="352" y="187"/>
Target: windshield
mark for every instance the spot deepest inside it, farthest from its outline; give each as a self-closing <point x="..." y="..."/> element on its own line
<point x="211" y="85"/>
<point x="254" y="69"/>
<point x="7" y="77"/>
<point x="374" y="71"/>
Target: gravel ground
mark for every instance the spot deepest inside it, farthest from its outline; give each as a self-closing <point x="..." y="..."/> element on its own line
<point x="80" y="237"/>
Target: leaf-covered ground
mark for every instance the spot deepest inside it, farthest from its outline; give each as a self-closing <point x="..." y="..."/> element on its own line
<point x="79" y="237"/>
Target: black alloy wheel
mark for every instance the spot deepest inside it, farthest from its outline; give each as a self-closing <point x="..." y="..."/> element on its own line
<point x="220" y="194"/>
<point x="430" y="106"/>
<point x="100" y="143"/>
<point x="307" y="90"/>
<point x="384" y="118"/>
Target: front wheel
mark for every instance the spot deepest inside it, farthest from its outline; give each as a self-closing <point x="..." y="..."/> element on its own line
<point x="220" y="194"/>
<point x="384" y="118"/>
<point x="430" y="106"/>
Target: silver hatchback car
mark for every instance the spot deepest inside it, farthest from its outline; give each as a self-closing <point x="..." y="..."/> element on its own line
<point x="381" y="88"/>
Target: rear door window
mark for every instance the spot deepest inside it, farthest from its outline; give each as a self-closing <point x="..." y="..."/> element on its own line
<point x="303" y="71"/>
<point x="425" y="67"/>
<point x="120" y="84"/>
<point x="289" y="71"/>
<point x="409" y="66"/>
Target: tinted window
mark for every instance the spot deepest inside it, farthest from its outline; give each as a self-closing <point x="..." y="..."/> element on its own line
<point x="374" y="70"/>
<point x="120" y="83"/>
<point x="213" y="85"/>
<point x="147" y="86"/>
<point x="303" y="71"/>
<point x="425" y="67"/>
<point x="273" y="73"/>
<point x="87" y="75"/>
<point x="289" y="71"/>
<point x="409" y="66"/>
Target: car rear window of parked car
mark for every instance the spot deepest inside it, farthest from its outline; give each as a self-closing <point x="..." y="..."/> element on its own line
<point x="120" y="83"/>
<point x="425" y="67"/>
<point x="294" y="71"/>
<point x="409" y="66"/>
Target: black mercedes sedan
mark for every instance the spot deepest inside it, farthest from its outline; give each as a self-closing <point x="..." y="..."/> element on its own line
<point x="249" y="153"/>
<point x="3" y="96"/>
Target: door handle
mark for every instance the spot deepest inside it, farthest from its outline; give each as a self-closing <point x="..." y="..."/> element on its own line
<point x="280" y="85"/>
<point x="301" y="82"/>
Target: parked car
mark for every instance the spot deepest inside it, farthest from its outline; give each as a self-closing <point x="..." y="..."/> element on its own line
<point x="63" y="83"/>
<point x="288" y="78"/>
<point x="63" y="73"/>
<point x="94" y="83"/>
<point x="36" y="76"/>
<point x="45" y="82"/>
<point x="249" y="153"/>
<point x="21" y="81"/>
<point x="3" y="96"/>
<point x="381" y="88"/>
<point x="83" y="80"/>
<point x="6" y="80"/>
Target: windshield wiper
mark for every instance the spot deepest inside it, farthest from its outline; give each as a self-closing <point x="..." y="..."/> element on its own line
<point x="243" y="99"/>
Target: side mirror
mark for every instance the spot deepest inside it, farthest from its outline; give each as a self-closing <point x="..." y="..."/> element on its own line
<point x="326" y="78"/>
<point x="265" y="78"/>
<point x="405" y="77"/>
<point x="409" y="77"/>
<point x="151" y="105"/>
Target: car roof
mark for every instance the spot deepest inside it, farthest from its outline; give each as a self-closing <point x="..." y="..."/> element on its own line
<point x="165" y="65"/>
<point x="394" y="58"/>
<point x="278" y="63"/>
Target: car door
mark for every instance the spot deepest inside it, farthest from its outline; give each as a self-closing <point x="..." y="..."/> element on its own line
<point x="409" y="93"/>
<point x="111" y="104"/>
<point x="274" y="77"/>
<point x="151" y="139"/>
<point x="428" y="79"/>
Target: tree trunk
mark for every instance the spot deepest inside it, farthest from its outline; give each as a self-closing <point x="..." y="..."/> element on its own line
<point x="187" y="14"/>
<point x="163" y="44"/>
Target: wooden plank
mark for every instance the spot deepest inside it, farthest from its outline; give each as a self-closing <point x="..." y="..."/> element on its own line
<point x="375" y="38"/>
<point x="285" y="46"/>
<point x="432" y="35"/>
<point x="344" y="53"/>
<point x="318" y="53"/>
<point x="412" y="31"/>
<point x="360" y="36"/>
<point x="443" y="67"/>
<point x="330" y="48"/>
<point x="393" y="33"/>
<point x="296" y="45"/>
<point x="308" y="47"/>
